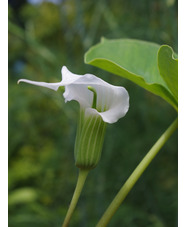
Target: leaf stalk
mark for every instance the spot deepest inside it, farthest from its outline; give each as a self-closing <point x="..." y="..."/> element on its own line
<point x="128" y="185"/>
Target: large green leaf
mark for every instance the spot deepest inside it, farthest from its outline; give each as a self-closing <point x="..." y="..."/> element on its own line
<point x="168" y="68"/>
<point x="134" y="60"/>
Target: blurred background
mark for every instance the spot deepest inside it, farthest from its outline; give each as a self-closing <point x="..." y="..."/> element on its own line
<point x="44" y="36"/>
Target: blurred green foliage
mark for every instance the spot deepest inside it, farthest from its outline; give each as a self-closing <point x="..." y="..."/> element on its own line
<point x="42" y="128"/>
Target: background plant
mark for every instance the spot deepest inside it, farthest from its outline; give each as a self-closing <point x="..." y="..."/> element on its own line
<point x="41" y="164"/>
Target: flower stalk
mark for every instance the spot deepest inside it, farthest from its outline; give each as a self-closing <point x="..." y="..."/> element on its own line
<point x="126" y="188"/>
<point x="79" y="186"/>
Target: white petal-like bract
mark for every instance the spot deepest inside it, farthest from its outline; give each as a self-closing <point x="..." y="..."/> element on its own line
<point x="112" y="101"/>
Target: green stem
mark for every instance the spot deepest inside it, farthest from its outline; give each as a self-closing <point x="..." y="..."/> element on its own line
<point x="136" y="175"/>
<point x="79" y="186"/>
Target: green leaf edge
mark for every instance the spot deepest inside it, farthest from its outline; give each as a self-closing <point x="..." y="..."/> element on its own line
<point x="174" y="57"/>
<point x="166" y="94"/>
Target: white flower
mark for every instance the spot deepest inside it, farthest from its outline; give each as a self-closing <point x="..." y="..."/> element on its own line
<point x="100" y="103"/>
<point x="112" y="102"/>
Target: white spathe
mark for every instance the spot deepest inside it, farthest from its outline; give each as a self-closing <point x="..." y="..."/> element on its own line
<point x="112" y="101"/>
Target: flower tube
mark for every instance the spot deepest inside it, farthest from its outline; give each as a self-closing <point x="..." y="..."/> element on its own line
<point x="100" y="103"/>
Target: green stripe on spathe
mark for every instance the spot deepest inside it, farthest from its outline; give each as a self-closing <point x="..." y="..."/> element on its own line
<point x="89" y="140"/>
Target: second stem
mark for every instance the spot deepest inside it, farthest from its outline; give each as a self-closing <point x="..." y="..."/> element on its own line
<point x="136" y="175"/>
